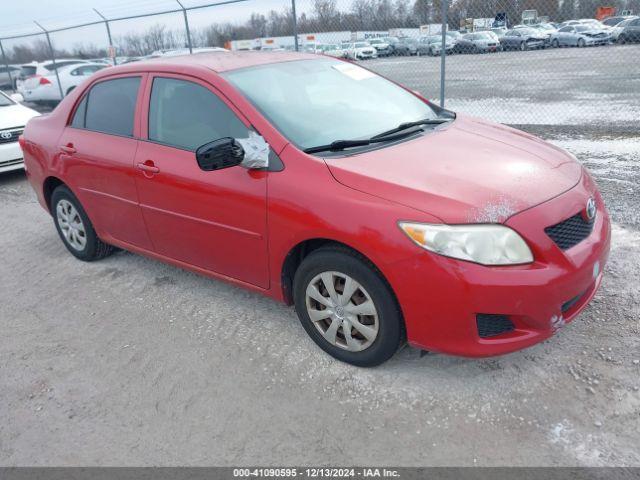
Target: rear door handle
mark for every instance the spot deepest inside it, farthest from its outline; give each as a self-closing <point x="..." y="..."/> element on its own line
<point x="68" y="148"/>
<point x="148" y="167"/>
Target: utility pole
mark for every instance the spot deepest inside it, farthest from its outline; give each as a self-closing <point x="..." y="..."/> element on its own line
<point x="186" y="26"/>
<point x="6" y="64"/>
<point x="53" y="57"/>
<point x="295" y="24"/>
<point x="443" y="50"/>
<point x="106" y="22"/>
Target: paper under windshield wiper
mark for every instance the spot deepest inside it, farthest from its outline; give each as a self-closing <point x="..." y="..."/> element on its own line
<point x="395" y="134"/>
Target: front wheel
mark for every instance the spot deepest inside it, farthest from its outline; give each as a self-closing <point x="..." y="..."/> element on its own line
<point x="523" y="46"/>
<point x="75" y="228"/>
<point x="555" y="43"/>
<point x="581" y="43"/>
<point x="347" y="308"/>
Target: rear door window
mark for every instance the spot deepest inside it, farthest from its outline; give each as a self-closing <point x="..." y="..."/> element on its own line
<point x="27" y="71"/>
<point x="186" y="115"/>
<point x="109" y="107"/>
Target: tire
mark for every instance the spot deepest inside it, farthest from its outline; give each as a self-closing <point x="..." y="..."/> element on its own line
<point x="86" y="246"/>
<point x="581" y="43"/>
<point x="335" y="264"/>
<point x="622" y="39"/>
<point x="555" y="43"/>
<point x="523" y="46"/>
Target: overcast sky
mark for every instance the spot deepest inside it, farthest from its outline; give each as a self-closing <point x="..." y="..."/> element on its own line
<point x="17" y="16"/>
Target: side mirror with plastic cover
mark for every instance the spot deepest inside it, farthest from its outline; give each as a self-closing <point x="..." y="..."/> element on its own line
<point x="222" y="153"/>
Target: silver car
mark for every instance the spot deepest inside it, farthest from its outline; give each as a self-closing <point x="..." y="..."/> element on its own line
<point x="579" y="36"/>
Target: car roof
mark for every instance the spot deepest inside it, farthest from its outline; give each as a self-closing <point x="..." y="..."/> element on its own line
<point x="215" y="61"/>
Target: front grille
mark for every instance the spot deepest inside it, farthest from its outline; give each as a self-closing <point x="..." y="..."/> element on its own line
<point x="9" y="136"/>
<point x="491" y="325"/>
<point x="570" y="232"/>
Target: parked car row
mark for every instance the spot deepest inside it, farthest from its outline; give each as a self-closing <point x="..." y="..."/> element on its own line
<point x="578" y="33"/>
<point x="42" y="82"/>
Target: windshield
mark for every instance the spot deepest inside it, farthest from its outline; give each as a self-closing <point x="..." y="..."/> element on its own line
<point x="582" y="28"/>
<point x="315" y="102"/>
<point x="361" y="45"/>
<point x="5" y="101"/>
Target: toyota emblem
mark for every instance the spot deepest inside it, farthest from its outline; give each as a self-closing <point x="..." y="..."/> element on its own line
<point x="6" y="135"/>
<point x="591" y="209"/>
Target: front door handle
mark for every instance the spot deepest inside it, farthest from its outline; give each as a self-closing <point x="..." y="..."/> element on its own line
<point x="148" y="167"/>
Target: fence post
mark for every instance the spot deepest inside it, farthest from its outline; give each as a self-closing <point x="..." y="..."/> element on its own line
<point x="186" y="25"/>
<point x="443" y="51"/>
<point x="53" y="58"/>
<point x="6" y="64"/>
<point x="106" y="23"/>
<point x="295" y="24"/>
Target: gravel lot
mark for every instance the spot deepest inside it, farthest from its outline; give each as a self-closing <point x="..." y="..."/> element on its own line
<point x="130" y="361"/>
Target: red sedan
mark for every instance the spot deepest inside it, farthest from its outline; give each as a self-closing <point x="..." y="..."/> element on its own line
<point x="382" y="217"/>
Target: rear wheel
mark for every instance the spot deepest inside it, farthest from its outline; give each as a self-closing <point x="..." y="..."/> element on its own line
<point x="347" y="308"/>
<point x="75" y="228"/>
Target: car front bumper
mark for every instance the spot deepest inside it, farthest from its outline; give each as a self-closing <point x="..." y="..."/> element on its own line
<point x="441" y="297"/>
<point x="11" y="157"/>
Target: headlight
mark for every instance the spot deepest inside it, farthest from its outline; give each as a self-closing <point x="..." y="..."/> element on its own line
<point x="484" y="244"/>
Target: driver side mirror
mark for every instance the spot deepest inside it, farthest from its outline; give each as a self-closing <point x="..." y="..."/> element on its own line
<point x="222" y="153"/>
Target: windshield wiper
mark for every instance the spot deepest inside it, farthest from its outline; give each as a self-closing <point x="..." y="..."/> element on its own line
<point x="395" y="134"/>
<point x="408" y="125"/>
<point x="339" y="145"/>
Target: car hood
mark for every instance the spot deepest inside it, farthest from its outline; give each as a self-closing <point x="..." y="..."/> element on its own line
<point x="465" y="172"/>
<point x="15" y="116"/>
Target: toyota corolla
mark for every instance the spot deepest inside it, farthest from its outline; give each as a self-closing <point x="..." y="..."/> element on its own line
<point x="383" y="218"/>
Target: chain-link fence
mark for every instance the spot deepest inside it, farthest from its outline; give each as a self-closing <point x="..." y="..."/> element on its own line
<point x="548" y="62"/>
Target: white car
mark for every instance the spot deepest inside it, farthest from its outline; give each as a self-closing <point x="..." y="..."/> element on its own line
<point x="383" y="47"/>
<point x="361" y="51"/>
<point x="35" y="69"/>
<point x="330" y="49"/>
<point x="13" y="118"/>
<point x="44" y="88"/>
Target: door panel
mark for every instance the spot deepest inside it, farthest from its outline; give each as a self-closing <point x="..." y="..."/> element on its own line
<point x="101" y="173"/>
<point x="214" y="220"/>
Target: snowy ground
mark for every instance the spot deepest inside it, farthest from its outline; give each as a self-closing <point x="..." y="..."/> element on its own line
<point x="131" y="361"/>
